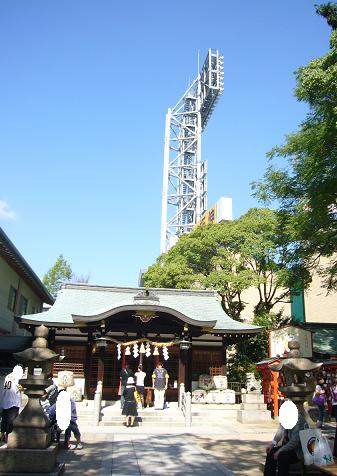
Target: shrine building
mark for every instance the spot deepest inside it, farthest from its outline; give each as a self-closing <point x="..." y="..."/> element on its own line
<point x="99" y="328"/>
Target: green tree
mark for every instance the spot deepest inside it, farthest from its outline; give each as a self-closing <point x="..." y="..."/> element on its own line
<point x="248" y="353"/>
<point x="230" y="257"/>
<point x="306" y="189"/>
<point x="60" y="273"/>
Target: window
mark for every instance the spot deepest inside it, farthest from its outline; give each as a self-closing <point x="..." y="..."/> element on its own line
<point x="12" y="298"/>
<point x="23" y="305"/>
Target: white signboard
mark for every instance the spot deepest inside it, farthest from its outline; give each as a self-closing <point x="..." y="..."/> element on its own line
<point x="279" y="338"/>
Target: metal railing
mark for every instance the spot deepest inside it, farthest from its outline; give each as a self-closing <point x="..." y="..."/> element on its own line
<point x="185" y="404"/>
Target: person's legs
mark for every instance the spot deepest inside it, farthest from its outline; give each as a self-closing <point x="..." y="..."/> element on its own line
<point x="76" y="431"/>
<point x="4" y="422"/>
<point x="270" y="464"/>
<point x="132" y="418"/>
<point x="12" y="413"/>
<point x="67" y="435"/>
<point x="161" y="399"/>
<point x="156" y="398"/>
<point x="285" y="459"/>
<point x="320" y="419"/>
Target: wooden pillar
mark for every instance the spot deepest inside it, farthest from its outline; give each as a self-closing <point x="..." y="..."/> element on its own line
<point x="182" y="367"/>
<point x="185" y="368"/>
<point x="224" y="355"/>
<point x="87" y="368"/>
<point x="188" y="382"/>
<point x="275" y="392"/>
<point x="100" y="372"/>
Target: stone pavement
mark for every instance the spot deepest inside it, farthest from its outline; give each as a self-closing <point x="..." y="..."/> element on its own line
<point x="235" y="449"/>
<point x="198" y="451"/>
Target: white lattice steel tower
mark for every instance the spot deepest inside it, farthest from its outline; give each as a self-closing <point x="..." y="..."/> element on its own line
<point x="185" y="175"/>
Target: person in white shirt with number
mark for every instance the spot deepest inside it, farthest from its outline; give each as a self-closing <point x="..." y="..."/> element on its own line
<point x="11" y="401"/>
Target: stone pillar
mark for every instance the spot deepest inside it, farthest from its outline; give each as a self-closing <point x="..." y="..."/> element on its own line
<point x="253" y="408"/>
<point x="98" y="403"/>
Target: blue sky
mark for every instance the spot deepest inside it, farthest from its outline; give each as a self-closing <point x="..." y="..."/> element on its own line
<point x="84" y="91"/>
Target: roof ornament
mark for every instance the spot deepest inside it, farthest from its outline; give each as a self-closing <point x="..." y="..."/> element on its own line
<point x="145" y="316"/>
<point x="146" y="295"/>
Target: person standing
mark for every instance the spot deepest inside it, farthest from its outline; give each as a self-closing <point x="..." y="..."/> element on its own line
<point x="334" y="412"/>
<point x="72" y="428"/>
<point x="126" y="372"/>
<point x="159" y="382"/>
<point x="140" y="377"/>
<point x="130" y="402"/>
<point x="319" y="400"/>
<point x="11" y="401"/>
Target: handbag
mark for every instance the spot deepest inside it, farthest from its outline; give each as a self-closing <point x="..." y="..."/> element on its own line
<point x="322" y="452"/>
<point x="309" y="437"/>
<point x="318" y="399"/>
<point x="137" y="396"/>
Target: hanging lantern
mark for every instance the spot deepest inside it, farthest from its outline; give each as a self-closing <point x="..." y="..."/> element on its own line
<point x="156" y="352"/>
<point x="127" y="350"/>
<point x="142" y="348"/>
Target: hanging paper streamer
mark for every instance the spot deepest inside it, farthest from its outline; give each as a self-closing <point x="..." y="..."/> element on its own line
<point x="142" y="348"/>
<point x="127" y="350"/>
<point x="119" y="353"/>
<point x="147" y="349"/>
<point x="156" y="352"/>
<point x="135" y="351"/>
<point x="165" y="353"/>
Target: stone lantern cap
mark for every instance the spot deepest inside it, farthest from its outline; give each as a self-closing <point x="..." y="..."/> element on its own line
<point x="39" y="351"/>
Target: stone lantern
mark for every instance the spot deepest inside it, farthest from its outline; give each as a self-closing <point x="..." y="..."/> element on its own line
<point x="298" y="375"/>
<point x="29" y="449"/>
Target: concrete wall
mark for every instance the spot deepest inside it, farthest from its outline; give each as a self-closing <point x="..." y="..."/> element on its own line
<point x="319" y="306"/>
<point x="8" y="277"/>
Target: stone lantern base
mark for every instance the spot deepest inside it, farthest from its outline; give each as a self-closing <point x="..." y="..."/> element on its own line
<point x="34" y="462"/>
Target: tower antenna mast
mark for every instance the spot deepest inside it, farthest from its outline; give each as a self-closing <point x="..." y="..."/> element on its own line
<point x="184" y="198"/>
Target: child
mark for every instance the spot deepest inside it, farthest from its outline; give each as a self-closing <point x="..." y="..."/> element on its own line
<point x="130" y="403"/>
<point x="73" y="427"/>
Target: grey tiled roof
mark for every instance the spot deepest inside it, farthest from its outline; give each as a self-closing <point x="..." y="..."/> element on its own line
<point x="83" y="302"/>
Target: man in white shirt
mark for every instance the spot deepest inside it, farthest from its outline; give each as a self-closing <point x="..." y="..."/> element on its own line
<point x="11" y="401"/>
<point x="140" y="377"/>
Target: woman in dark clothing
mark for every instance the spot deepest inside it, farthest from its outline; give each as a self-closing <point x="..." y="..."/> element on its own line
<point x="130" y="403"/>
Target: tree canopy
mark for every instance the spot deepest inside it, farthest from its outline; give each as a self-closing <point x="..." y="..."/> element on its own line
<point x="306" y="188"/>
<point x="230" y="258"/>
<point x="60" y="273"/>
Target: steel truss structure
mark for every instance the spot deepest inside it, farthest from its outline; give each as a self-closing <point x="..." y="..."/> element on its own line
<point x="184" y="197"/>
